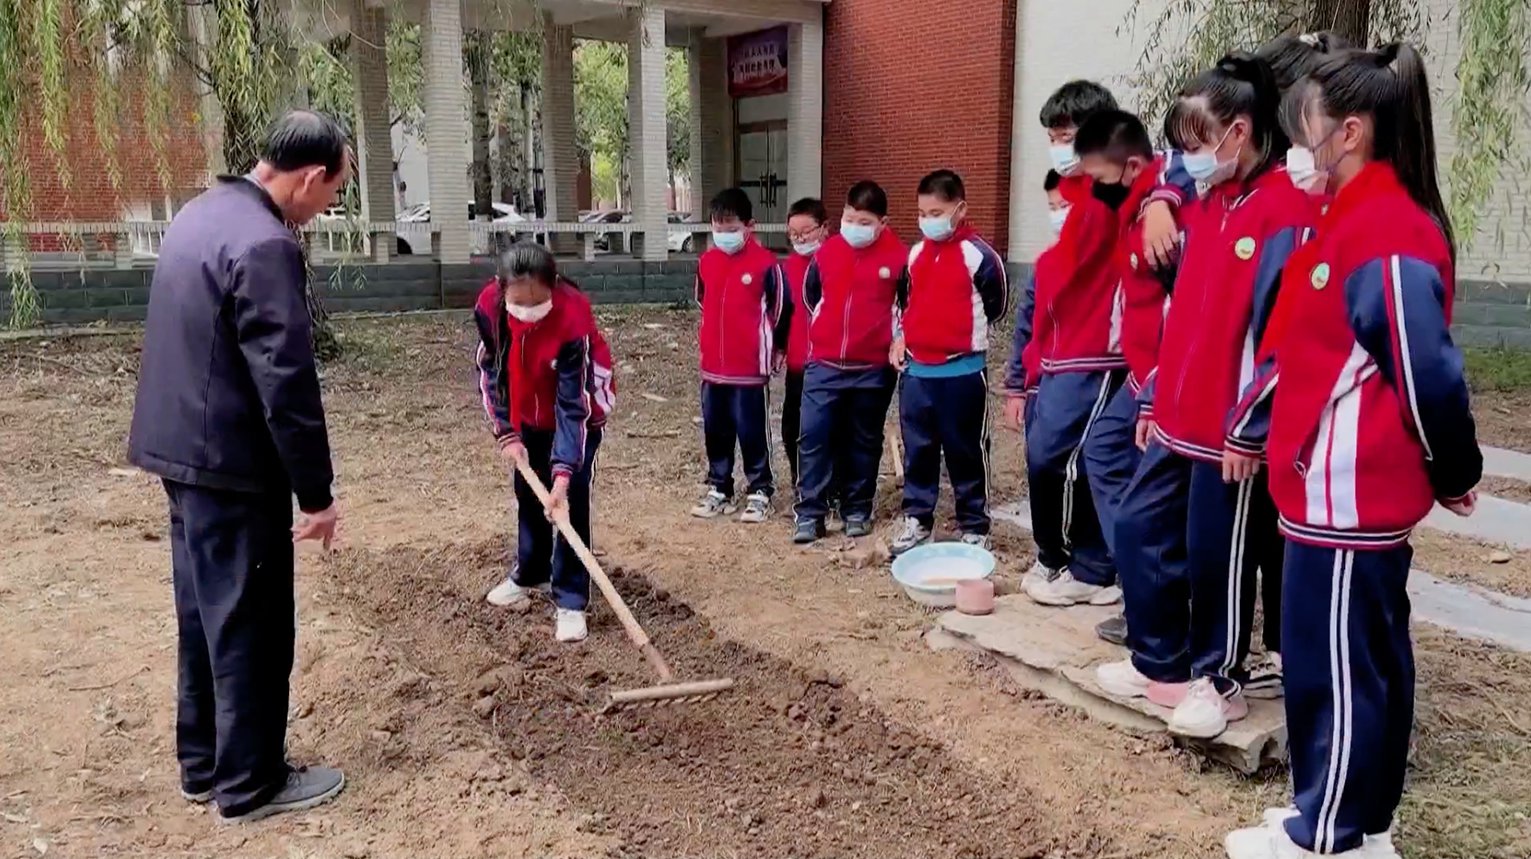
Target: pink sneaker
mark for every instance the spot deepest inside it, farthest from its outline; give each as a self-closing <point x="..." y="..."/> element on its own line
<point x="1166" y="694"/>
<point x="1203" y="713"/>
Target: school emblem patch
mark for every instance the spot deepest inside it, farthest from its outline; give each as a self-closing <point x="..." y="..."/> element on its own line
<point x="1132" y="260"/>
<point x="1244" y="248"/>
<point x="747" y="279"/>
<point x="1320" y="275"/>
<point x="884" y="273"/>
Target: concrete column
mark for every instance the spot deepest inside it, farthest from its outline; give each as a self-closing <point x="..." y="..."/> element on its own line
<point x="560" y="152"/>
<point x="374" y="134"/>
<point x="1021" y="184"/>
<point x="805" y="111"/>
<point x="446" y="128"/>
<point x="648" y="139"/>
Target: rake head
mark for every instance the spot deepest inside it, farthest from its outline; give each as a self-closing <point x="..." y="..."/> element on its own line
<point x="668" y="694"/>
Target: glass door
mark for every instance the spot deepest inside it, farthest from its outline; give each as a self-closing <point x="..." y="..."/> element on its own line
<point x="762" y="171"/>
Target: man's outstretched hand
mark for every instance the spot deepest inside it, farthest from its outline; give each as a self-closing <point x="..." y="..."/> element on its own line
<point x="317" y="526"/>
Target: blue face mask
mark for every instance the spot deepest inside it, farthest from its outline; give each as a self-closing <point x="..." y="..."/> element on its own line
<point x="857" y="235"/>
<point x="1204" y="166"/>
<point x="1057" y="218"/>
<point x="729" y="243"/>
<point x="1065" y="159"/>
<point x="938" y="229"/>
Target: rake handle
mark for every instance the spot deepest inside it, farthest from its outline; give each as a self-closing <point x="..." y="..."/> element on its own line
<point x="634" y="630"/>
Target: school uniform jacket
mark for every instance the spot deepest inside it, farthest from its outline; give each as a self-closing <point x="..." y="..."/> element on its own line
<point x="1238" y="237"/>
<point x="849" y="294"/>
<point x="1143" y="296"/>
<point x="794" y="268"/>
<point x="1078" y="328"/>
<point x="951" y="292"/>
<point x="1023" y="371"/>
<point x="550" y="375"/>
<point x="1370" y="422"/>
<point x="746" y="314"/>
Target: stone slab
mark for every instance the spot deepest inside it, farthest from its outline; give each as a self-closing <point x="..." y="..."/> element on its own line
<point x="1496" y="520"/>
<point x="1499" y="462"/>
<point x="1057" y="651"/>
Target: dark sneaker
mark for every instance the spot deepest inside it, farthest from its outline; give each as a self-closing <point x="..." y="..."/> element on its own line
<point x="1113" y="630"/>
<point x="858" y="526"/>
<point x="306" y="787"/>
<point x="807" y="531"/>
<point x="914" y="533"/>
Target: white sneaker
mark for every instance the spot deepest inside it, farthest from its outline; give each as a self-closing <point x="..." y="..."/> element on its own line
<point x="1122" y="679"/>
<point x="713" y="505"/>
<point x="508" y="594"/>
<point x="1275" y="817"/>
<point x="1255" y="842"/>
<point x="757" y="509"/>
<point x="914" y="534"/>
<point x="1270" y="841"/>
<point x="979" y="540"/>
<point x="1065" y="590"/>
<point x="569" y="625"/>
<point x="1038" y="574"/>
<point x="1380" y="847"/>
<point x="1205" y="713"/>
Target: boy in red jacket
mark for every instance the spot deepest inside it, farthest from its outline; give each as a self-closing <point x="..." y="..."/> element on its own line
<point x="953" y="290"/>
<point x="849" y="295"/>
<point x="806" y="230"/>
<point x="1078" y="348"/>
<point x="545" y="378"/>
<point x="746" y="316"/>
<point x="1116" y="152"/>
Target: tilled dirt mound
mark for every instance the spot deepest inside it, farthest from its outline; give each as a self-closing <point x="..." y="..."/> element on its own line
<point x="788" y="764"/>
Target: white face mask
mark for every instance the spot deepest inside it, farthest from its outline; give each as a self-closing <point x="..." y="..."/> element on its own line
<point x="729" y="243"/>
<point x="1056" y="218"/>
<point x="1065" y="159"/>
<point x="806" y="249"/>
<point x="1302" y="169"/>
<point x="535" y="313"/>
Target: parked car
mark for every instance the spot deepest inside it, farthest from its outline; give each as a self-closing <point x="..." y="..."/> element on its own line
<point x="677" y="242"/>
<point x="504" y="213"/>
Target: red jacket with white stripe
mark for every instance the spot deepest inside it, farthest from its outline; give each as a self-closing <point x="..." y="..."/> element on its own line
<point x="1143" y="297"/>
<point x="849" y="294"/>
<point x="746" y="314"/>
<point x="795" y="268"/>
<point x="1077" y="328"/>
<point x="950" y="294"/>
<point x="1364" y="403"/>
<point x="1238" y="237"/>
<point x="550" y="375"/>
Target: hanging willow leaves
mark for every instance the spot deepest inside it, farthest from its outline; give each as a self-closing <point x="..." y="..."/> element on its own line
<point x="102" y="22"/>
<point x="163" y="46"/>
<point x="25" y="307"/>
<point x="1491" y="107"/>
<point x="48" y="49"/>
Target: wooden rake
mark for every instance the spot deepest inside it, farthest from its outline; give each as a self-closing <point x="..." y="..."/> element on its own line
<point x="667" y="691"/>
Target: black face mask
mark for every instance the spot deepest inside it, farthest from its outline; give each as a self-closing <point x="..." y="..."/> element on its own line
<point x="1113" y="194"/>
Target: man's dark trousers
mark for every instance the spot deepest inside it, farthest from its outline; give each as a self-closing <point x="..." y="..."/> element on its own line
<point x="232" y="563"/>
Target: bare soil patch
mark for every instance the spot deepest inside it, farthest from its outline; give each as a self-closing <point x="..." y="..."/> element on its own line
<point x="1499" y="568"/>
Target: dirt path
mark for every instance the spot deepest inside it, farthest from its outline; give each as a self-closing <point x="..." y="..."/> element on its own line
<point x="395" y="646"/>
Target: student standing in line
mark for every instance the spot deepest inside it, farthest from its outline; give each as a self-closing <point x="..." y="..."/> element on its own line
<point x="746" y="317"/>
<point x="953" y="290"/>
<point x="1364" y="415"/>
<point x="806" y="230"/>
<point x="545" y="376"/>
<point x="1076" y="343"/>
<point x="1116" y="152"/>
<point x="1023" y="369"/>
<point x="849" y="293"/>
<point x="1189" y="543"/>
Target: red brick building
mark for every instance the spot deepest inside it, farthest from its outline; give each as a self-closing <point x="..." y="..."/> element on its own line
<point x="913" y="87"/>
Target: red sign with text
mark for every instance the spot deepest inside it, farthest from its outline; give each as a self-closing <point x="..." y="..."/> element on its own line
<point x="757" y="63"/>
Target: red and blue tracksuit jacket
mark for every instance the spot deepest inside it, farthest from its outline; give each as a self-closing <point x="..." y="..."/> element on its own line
<point x="553" y="375"/>
<point x="849" y="294"/>
<point x="1077" y="328"/>
<point x="746" y="314"/>
<point x="1023" y="372"/>
<point x="1144" y="295"/>
<point x="795" y="269"/>
<point x="1238" y="238"/>
<point x="1361" y="407"/>
<point x="950" y="293"/>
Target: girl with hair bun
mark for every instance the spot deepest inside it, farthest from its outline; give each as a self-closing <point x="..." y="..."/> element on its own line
<point x="1364" y="418"/>
<point x="1189" y="535"/>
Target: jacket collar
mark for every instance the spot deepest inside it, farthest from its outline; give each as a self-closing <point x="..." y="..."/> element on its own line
<point x="248" y="186"/>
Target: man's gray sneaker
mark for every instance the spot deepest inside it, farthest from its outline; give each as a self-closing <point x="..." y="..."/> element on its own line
<point x="757" y="509"/>
<point x="306" y="787"/>
<point x="857" y="525"/>
<point x="713" y="505"/>
<point x="913" y="534"/>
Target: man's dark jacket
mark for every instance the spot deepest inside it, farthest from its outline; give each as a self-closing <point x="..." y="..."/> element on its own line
<point x="228" y="395"/>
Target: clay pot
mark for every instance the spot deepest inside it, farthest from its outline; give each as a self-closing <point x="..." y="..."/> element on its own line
<point x="975" y="596"/>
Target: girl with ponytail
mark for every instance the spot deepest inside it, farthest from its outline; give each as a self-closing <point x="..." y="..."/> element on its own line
<point x="1190" y="536"/>
<point x="1368" y="427"/>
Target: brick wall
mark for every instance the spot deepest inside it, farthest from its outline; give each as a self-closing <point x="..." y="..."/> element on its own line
<point x="90" y="195"/>
<point x="910" y="87"/>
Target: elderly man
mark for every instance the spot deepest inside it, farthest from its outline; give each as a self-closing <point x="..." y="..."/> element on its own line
<point x="228" y="414"/>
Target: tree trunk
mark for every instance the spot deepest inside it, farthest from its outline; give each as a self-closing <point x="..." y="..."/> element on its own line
<point x="528" y="152"/>
<point x="1350" y="19"/>
<point x="478" y="76"/>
